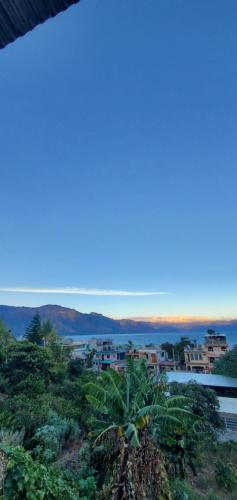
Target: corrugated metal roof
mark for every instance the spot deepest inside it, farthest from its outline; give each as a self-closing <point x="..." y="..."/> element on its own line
<point x="202" y="378"/>
<point x="17" y="17"/>
<point x="228" y="405"/>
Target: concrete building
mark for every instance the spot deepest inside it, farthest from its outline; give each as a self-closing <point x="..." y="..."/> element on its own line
<point x="157" y="359"/>
<point x="200" y="358"/>
<point x="150" y="355"/>
<point x="109" y="355"/>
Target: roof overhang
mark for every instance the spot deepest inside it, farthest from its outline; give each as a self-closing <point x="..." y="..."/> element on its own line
<point x="17" y="17"/>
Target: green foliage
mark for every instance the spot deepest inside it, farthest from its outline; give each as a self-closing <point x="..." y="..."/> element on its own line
<point x="226" y="475"/>
<point x="24" y="359"/>
<point x="181" y="490"/>
<point x="32" y="385"/>
<point x="48" y="333"/>
<point x="51" y="437"/>
<point x="176" y="351"/>
<point x="128" y="410"/>
<point x="9" y="437"/>
<point x="204" y="402"/>
<point x="34" y="332"/>
<point x="26" y="479"/>
<point x="75" y="367"/>
<point x="87" y="488"/>
<point x="128" y="403"/>
<point x="84" y="433"/>
<point x="22" y="412"/>
<point x="227" y="364"/>
<point x="6" y="341"/>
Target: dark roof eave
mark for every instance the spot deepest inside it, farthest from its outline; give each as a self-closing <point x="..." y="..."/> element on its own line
<point x="17" y="17"/>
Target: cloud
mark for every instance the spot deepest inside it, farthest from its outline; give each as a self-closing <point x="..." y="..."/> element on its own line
<point x="81" y="291"/>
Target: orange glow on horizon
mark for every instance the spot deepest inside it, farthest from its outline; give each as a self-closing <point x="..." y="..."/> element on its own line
<point x="178" y="319"/>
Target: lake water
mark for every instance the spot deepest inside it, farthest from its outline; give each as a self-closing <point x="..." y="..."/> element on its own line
<point x="147" y="338"/>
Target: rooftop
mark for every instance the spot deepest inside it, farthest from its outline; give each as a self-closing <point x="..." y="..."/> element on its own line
<point x="202" y="378"/>
<point x="228" y="405"/>
<point x="17" y="17"/>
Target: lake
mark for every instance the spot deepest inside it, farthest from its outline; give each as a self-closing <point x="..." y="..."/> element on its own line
<point x="147" y="338"/>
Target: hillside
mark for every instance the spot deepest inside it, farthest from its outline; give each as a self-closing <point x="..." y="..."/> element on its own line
<point x="68" y="321"/>
<point x="72" y="322"/>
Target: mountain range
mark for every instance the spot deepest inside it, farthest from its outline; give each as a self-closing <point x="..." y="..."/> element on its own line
<point x="68" y="321"/>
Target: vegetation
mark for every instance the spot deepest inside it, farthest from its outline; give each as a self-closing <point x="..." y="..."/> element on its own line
<point x="227" y="364"/>
<point x="176" y="351"/>
<point x="66" y="434"/>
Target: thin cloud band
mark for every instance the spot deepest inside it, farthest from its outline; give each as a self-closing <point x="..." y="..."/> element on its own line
<point x="82" y="291"/>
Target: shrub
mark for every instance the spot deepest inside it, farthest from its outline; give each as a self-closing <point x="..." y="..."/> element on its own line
<point x="226" y="475"/>
<point x="181" y="490"/>
<point x="51" y="437"/>
<point x="29" y="480"/>
<point x="10" y="437"/>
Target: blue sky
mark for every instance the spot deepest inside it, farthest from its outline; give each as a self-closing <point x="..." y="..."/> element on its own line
<point x="118" y="158"/>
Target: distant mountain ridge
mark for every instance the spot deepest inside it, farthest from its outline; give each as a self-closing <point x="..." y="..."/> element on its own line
<point x="68" y="321"/>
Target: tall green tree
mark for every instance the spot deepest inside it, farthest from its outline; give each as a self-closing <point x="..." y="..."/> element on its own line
<point x="6" y="340"/>
<point x="26" y="359"/>
<point x="127" y="405"/>
<point x="34" y="331"/>
<point x="48" y="332"/>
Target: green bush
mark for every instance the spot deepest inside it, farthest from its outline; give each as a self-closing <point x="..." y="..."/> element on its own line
<point x="51" y="437"/>
<point x="29" y="480"/>
<point x="226" y="475"/>
<point x="181" y="490"/>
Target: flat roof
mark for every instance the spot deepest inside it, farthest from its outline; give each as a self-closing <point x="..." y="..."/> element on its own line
<point x="202" y="378"/>
<point x="228" y="405"/>
<point x="17" y="17"/>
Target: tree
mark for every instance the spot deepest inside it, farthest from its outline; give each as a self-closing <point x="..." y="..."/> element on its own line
<point x="204" y="401"/>
<point x="227" y="364"/>
<point x="48" y="332"/>
<point x="6" y="340"/>
<point x="211" y="332"/>
<point x="179" y="349"/>
<point x="34" y="331"/>
<point x="28" y="479"/>
<point x="127" y="405"/>
<point x="25" y="359"/>
<point x="76" y="367"/>
<point x="169" y="348"/>
<point x="176" y="351"/>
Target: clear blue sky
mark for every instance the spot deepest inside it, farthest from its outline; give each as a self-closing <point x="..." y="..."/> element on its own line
<point x="118" y="154"/>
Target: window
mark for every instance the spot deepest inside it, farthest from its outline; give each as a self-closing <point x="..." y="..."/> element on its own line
<point x="196" y="356"/>
<point x="200" y="356"/>
<point x="211" y="360"/>
<point x="210" y="348"/>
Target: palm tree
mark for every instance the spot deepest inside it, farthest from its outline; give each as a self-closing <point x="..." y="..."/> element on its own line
<point x="127" y="406"/>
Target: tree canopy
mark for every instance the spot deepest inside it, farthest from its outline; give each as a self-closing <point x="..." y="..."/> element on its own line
<point x="227" y="364"/>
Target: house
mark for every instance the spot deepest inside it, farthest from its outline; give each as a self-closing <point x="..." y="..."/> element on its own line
<point x="109" y="355"/>
<point x="150" y="355"/>
<point x="200" y="358"/>
<point x="157" y="359"/>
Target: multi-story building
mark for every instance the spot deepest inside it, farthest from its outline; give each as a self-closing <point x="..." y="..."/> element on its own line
<point x="201" y="357"/>
<point x="149" y="354"/>
<point x="215" y="346"/>
<point x="157" y="359"/>
<point x="109" y="355"/>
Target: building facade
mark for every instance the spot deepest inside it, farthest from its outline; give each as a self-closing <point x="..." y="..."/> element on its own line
<point x="200" y="358"/>
<point x="108" y="355"/>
